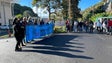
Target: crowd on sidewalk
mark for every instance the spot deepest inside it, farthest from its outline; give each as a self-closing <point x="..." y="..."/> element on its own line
<point x="101" y="26"/>
<point x="79" y="26"/>
<point x="19" y="29"/>
<point x="19" y="25"/>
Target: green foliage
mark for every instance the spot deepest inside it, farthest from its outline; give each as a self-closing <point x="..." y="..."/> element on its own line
<point x="97" y="8"/>
<point x="18" y="9"/>
<point x="109" y="14"/>
<point x="34" y="2"/>
<point x="60" y="29"/>
<point x="96" y="11"/>
<point x="98" y="15"/>
<point x="19" y="16"/>
<point x="70" y="9"/>
<point x="60" y="4"/>
<point x="57" y="16"/>
<point x="27" y="13"/>
<point x="50" y="4"/>
<point x="65" y="8"/>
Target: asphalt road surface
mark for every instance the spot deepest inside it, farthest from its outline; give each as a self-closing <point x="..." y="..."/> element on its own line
<point x="60" y="48"/>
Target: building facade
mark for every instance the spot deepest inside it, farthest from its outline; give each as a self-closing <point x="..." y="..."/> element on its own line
<point x="5" y="12"/>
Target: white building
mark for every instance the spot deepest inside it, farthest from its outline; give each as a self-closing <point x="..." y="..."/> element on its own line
<point x="5" y="12"/>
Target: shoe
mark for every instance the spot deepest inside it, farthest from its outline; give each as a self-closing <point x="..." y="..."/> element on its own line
<point x="19" y="49"/>
<point x="23" y="44"/>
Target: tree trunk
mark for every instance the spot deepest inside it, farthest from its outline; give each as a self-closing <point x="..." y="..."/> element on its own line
<point x="69" y="9"/>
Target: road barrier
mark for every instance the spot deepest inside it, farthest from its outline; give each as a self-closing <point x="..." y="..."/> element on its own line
<point x="38" y="31"/>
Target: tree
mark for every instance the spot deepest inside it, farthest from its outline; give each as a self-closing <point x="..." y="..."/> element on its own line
<point x="34" y="2"/>
<point x="91" y="11"/>
<point x="72" y="9"/>
<point x="19" y="15"/>
<point x="64" y="8"/>
<point x="50" y="4"/>
<point x="75" y="11"/>
<point x="70" y="15"/>
<point x="104" y="0"/>
<point x="98" y="15"/>
<point x="18" y="9"/>
<point x="27" y="13"/>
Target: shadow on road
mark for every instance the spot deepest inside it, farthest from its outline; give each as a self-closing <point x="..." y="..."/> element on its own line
<point x="59" y="45"/>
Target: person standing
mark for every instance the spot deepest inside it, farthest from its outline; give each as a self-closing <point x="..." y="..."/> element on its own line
<point x="24" y="23"/>
<point x="110" y="26"/>
<point x="80" y="25"/>
<point x="86" y="26"/>
<point x="91" y="26"/>
<point x="105" y="25"/>
<point x="75" y="26"/>
<point x="30" y="21"/>
<point x="68" y="25"/>
<point x="99" y="26"/>
<point x="42" y="22"/>
<point x="18" y="33"/>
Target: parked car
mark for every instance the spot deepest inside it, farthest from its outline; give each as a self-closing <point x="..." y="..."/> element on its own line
<point x="4" y="27"/>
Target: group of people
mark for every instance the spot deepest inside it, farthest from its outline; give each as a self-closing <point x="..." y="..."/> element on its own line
<point x="19" y="30"/>
<point x="79" y="26"/>
<point x="104" y="25"/>
<point x="75" y="26"/>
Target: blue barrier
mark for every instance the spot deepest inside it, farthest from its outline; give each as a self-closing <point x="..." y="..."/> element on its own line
<point x="38" y="31"/>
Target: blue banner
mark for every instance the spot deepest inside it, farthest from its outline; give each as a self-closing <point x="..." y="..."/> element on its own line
<point x="38" y="31"/>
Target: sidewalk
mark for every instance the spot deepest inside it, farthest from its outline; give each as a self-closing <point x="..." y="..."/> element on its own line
<point x="4" y="34"/>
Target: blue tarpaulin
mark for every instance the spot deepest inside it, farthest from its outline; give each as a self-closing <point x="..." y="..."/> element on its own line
<point x="38" y="31"/>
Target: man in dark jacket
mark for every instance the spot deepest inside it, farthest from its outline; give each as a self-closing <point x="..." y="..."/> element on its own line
<point x="19" y="33"/>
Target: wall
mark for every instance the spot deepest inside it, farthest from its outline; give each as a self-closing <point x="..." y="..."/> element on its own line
<point x="5" y="10"/>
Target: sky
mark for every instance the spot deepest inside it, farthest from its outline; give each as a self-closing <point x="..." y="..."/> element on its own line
<point x="83" y="4"/>
<point x="25" y="3"/>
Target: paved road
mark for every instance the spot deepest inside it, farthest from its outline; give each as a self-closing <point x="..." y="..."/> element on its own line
<point x="60" y="48"/>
